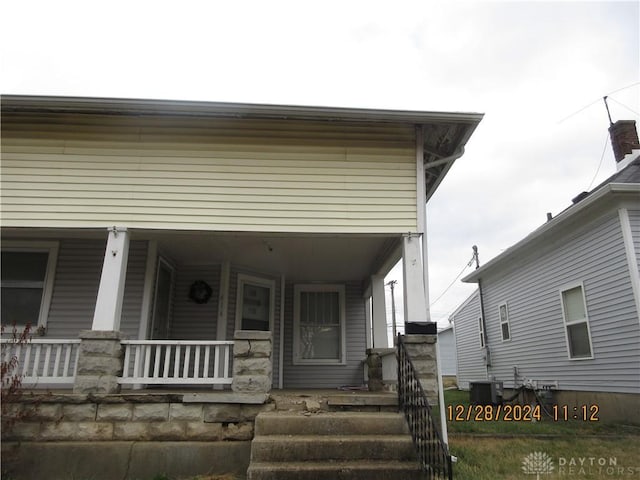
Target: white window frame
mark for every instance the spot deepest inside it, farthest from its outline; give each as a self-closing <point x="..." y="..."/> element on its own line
<point x="575" y="322"/>
<point x="482" y="337"/>
<point x="506" y="310"/>
<point x="297" y="290"/>
<point x="51" y="248"/>
<point x="243" y="280"/>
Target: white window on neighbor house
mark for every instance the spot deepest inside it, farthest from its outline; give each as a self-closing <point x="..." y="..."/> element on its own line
<point x="26" y="286"/>
<point x="481" y="331"/>
<point x="319" y="329"/>
<point x="576" y="321"/>
<point x="504" y="322"/>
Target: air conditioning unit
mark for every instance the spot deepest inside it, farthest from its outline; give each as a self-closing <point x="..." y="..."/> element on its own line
<point x="485" y="393"/>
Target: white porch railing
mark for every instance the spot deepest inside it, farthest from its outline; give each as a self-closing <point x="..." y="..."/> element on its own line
<point x="43" y="362"/>
<point x="177" y="362"/>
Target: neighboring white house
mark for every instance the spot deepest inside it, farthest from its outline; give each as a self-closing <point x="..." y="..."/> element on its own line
<point x="561" y="307"/>
<point x="447" y="352"/>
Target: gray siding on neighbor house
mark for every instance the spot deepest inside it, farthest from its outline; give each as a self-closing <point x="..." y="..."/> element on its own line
<point x="634" y="220"/>
<point x="447" y="351"/>
<point x="470" y="359"/>
<point x="594" y="255"/>
<point x="76" y="284"/>
<point x="329" y="376"/>
<point x="231" y="313"/>
<point x="190" y="320"/>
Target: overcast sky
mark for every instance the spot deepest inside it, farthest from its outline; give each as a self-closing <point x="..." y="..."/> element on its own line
<point x="538" y="71"/>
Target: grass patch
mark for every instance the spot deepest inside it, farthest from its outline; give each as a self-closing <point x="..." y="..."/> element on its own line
<point x="492" y="450"/>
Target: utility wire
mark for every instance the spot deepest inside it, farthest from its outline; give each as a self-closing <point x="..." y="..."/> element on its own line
<point x="454" y="281"/>
<point x="604" y="149"/>
<point x="624" y="106"/>
<point x="596" y="101"/>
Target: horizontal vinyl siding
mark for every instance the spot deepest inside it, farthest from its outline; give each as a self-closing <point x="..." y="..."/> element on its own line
<point x="208" y="174"/>
<point x="594" y="256"/>
<point x="470" y="359"/>
<point x="190" y="320"/>
<point x="634" y="220"/>
<point x="329" y="376"/>
<point x="447" y="350"/>
<point x="76" y="285"/>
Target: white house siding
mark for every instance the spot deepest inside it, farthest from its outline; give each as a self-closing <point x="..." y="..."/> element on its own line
<point x="594" y="255"/>
<point x="190" y="320"/>
<point x="76" y="286"/>
<point x="634" y="220"/>
<point x="470" y="360"/>
<point x="447" y="350"/>
<point x="328" y="376"/>
<point x="212" y="174"/>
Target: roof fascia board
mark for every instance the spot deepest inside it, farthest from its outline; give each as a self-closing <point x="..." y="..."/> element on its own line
<point x="241" y="110"/>
<point x="607" y="191"/>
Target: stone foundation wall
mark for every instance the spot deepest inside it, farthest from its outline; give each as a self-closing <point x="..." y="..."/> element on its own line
<point x="143" y="417"/>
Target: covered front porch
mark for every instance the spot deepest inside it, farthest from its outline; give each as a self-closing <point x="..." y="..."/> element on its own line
<point x="175" y="301"/>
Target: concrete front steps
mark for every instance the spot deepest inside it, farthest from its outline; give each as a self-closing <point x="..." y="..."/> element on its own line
<point x="332" y="445"/>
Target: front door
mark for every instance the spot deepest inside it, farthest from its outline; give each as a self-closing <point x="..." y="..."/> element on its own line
<point x="162" y="301"/>
<point x="255" y="303"/>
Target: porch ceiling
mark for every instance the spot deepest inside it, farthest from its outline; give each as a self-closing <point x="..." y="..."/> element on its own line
<point x="299" y="258"/>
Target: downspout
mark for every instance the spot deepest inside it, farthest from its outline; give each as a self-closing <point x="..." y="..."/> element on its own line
<point x="443" y="415"/>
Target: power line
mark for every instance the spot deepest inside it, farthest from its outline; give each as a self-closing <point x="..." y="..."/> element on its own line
<point x="624" y="106"/>
<point x="454" y="281"/>
<point x="604" y="149"/>
<point x="596" y="101"/>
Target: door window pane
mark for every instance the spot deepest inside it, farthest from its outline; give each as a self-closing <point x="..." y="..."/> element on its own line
<point x="256" y="307"/>
<point x="320" y="325"/>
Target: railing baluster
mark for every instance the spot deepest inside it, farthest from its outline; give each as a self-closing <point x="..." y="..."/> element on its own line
<point x="216" y="360"/>
<point x="136" y="362"/>
<point x="196" y="363"/>
<point x="67" y="360"/>
<point x="187" y="358"/>
<point x="156" y="363"/>
<point x="56" y="361"/>
<point x="127" y="360"/>
<point x="207" y="353"/>
<point x="176" y="363"/>
<point x="47" y="358"/>
<point x="227" y="359"/>
<point x="27" y="358"/>
<point x="147" y="361"/>
<point x="36" y="360"/>
<point x="167" y="359"/>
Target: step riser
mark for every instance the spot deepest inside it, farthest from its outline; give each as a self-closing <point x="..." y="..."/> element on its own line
<point x="325" y="424"/>
<point x="296" y="450"/>
<point x="337" y="474"/>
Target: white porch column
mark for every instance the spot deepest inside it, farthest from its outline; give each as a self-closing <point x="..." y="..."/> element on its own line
<point x="379" y="309"/>
<point x="415" y="307"/>
<point x="111" y="290"/>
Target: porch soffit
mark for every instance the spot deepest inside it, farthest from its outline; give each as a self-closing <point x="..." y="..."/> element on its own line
<point x="300" y="258"/>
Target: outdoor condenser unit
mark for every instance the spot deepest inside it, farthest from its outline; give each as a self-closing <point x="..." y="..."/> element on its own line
<point x="485" y="393"/>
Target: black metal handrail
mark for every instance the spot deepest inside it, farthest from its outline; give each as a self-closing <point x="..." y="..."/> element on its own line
<point x="432" y="451"/>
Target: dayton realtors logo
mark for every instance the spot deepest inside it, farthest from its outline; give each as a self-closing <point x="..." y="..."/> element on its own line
<point x="537" y="463"/>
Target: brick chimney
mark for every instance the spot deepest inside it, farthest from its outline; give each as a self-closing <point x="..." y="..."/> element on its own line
<point x="624" y="138"/>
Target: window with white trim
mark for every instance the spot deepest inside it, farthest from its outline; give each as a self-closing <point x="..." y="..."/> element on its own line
<point x="503" y="312"/>
<point x="26" y="283"/>
<point x="481" y="331"/>
<point x="574" y="312"/>
<point x="319" y="324"/>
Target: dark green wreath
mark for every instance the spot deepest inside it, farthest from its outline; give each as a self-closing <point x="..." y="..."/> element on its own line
<point x="200" y="292"/>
